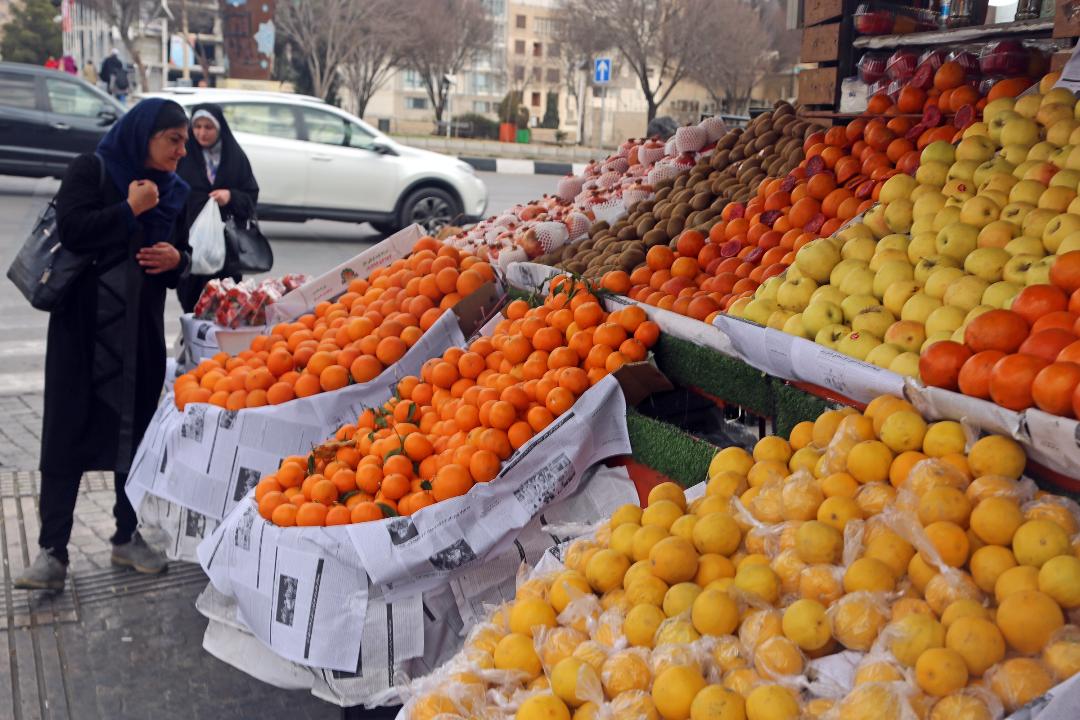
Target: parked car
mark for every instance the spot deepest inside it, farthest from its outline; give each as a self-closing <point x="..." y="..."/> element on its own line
<point x="47" y="117"/>
<point x="313" y="160"/>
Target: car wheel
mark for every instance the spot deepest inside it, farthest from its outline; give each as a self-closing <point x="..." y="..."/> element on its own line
<point x="430" y="208"/>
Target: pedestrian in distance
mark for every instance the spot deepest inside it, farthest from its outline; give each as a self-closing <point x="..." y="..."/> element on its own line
<point x="217" y="169"/>
<point x="52" y="63"/>
<point x="115" y="76"/>
<point x="105" y="357"/>
<point x="89" y="73"/>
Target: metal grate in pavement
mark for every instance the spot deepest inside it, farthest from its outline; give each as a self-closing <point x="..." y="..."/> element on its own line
<point x="102" y="585"/>
<point x="35" y="607"/>
<point x="27" y="483"/>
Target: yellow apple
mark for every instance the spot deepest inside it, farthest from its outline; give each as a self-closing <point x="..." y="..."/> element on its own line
<point x="1026" y="191"/>
<point x="939" y="280"/>
<point x="874" y="320"/>
<point x="1041" y="151"/>
<point x="1060" y="157"/>
<point x="1048" y="115"/>
<point x="927" y="265"/>
<point x="882" y="257"/>
<point x="759" y="309"/>
<point x="1015" y="212"/>
<point x="828" y="293"/>
<point x="928" y="204"/>
<point x="1039" y="273"/>
<point x="996" y="106"/>
<point x="997" y="234"/>
<point x="1042" y="171"/>
<point x="918" y="308"/>
<point x="841" y="270"/>
<point x="1016" y="269"/>
<point x="883" y="355"/>
<point x="907" y="335"/>
<point x="898" y="214"/>
<point x="817" y="258"/>
<point x="979" y="211"/>
<point x="893" y="242"/>
<point x="906" y="364"/>
<point x="899" y="293"/>
<point x="858" y="344"/>
<point x="987" y="263"/>
<point x="830" y="335"/>
<point x="1058" y="96"/>
<point x="858" y="248"/>
<point x="932" y="173"/>
<point x="855" y="230"/>
<point x="820" y="314"/>
<point x="977" y="311"/>
<point x="1028" y="105"/>
<point x="859" y="281"/>
<point x="1066" y="178"/>
<point x="977" y="129"/>
<point x="794" y="326"/>
<point x="958" y="239"/>
<point x="891" y="272"/>
<point x="1025" y="245"/>
<point x="947" y="216"/>
<point x="998" y="122"/>
<point x="1071" y="243"/>
<point x="922" y="245"/>
<point x="932" y="338"/>
<point x="897" y="187"/>
<point x="1059" y="132"/>
<point x="1000" y="182"/>
<point x="1020" y="131"/>
<point x="778" y="319"/>
<point x="1036" y="220"/>
<point x="1058" y="229"/>
<point x="979" y="148"/>
<point x="966" y="292"/>
<point x="1014" y="155"/>
<point x="999" y="294"/>
<point x="1057" y="198"/>
<point x="938" y="151"/>
<point x="855" y="304"/>
<point x="964" y="170"/>
<point x="992" y="168"/>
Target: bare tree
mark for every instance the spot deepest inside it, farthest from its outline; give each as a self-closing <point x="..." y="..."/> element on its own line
<point x="126" y="16"/>
<point x="376" y="49"/>
<point x="738" y="55"/>
<point x="324" y="33"/>
<point x="655" y="37"/>
<point x="202" y="18"/>
<point x="443" y="36"/>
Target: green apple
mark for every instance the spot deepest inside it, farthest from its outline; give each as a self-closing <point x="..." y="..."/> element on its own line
<point x="918" y="308"/>
<point x="759" y="310"/>
<point x="997" y="234"/>
<point x="817" y="258"/>
<point x="978" y="148"/>
<point x="897" y="187"/>
<point x="938" y="151"/>
<point x="947" y="216"/>
<point x="1014" y="155"/>
<point x="794" y="295"/>
<point x="1035" y="222"/>
<point x="1015" y="212"/>
<point x="979" y="212"/>
<point x="858" y="249"/>
<point x="987" y="263"/>
<point x="1025" y="245"/>
<point x="999" y="294"/>
<point x="998" y="122"/>
<point x="1016" y="269"/>
<point x="922" y="245"/>
<point x="1059" y="132"/>
<point x="932" y="173"/>
<point x="829" y="293"/>
<point x="898" y="293"/>
<point x="898" y="215"/>
<point x="888" y="255"/>
<point x="1027" y="192"/>
<point x="957" y="240"/>
<point x="858" y="344"/>
<point x="1028" y="105"/>
<point x="883" y="354"/>
<point x="874" y="320"/>
<point x="906" y="364"/>
<point x="1041" y="151"/>
<point x="830" y="335"/>
<point x="819" y="314"/>
<point x="992" y="168"/>
<point x="769" y="288"/>
<point x="1057" y="198"/>
<point x="945" y="319"/>
<point x="977" y="128"/>
<point x="994" y="107"/>
<point x="794" y="326"/>
<point x="1039" y="273"/>
<point x="893" y="242"/>
<point x="932" y="338"/>
<point x="1058" y="229"/>
<point x="907" y="335"/>
<point x="836" y="277"/>
<point x="940" y="279"/>
<point x="1066" y="178"/>
<point x="855" y="304"/>
<point x="929" y="264"/>
<point x="1042" y="171"/>
<point x="966" y="292"/>
<point x="778" y="319"/>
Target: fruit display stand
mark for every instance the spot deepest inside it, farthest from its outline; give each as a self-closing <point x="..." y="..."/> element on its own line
<point x="194" y="465"/>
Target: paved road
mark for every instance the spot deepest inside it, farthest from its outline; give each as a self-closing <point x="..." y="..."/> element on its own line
<point x="311" y="247"/>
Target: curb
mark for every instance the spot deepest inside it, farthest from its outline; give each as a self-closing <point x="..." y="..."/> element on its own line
<point x="512" y="166"/>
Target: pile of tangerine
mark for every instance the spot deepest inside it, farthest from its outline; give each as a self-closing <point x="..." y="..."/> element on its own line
<point x="463" y="417"/>
<point x="350" y="340"/>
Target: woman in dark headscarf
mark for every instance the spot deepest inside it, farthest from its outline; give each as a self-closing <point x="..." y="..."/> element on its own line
<point x="105" y="359"/>
<point x="216" y="169"/>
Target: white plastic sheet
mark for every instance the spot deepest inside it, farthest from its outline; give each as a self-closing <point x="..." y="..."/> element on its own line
<point x="207" y="240"/>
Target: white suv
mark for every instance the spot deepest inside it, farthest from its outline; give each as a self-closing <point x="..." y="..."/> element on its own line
<point x="313" y="160"/>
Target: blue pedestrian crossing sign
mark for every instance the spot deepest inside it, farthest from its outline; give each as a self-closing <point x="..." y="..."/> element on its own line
<point x="601" y="70"/>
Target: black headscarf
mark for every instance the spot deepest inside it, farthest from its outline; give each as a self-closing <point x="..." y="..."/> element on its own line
<point x="233" y="171"/>
<point x="124" y="150"/>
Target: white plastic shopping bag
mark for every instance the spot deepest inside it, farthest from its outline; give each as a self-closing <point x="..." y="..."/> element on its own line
<point x="207" y="240"/>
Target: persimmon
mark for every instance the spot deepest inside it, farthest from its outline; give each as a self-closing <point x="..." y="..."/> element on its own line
<point x="941" y="363"/>
<point x="1065" y="272"/>
<point x="1011" y="380"/>
<point x="1048" y="344"/>
<point x="996" y="329"/>
<point x="1054" y="386"/>
<point x="1035" y="301"/>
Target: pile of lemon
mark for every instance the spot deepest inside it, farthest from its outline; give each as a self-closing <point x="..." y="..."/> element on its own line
<point x="943" y="578"/>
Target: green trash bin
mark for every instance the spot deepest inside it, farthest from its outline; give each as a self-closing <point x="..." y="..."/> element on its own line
<point x="524" y="135"/>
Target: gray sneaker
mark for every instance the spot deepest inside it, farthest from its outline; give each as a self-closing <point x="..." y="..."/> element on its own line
<point x="46" y="573"/>
<point x="140" y="556"/>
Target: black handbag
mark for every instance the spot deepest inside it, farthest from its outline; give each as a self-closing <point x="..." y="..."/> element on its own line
<point x="247" y="251"/>
<point x="44" y="270"/>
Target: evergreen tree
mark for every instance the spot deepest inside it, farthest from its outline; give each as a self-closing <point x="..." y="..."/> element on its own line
<point x="32" y="34"/>
<point x="551" y="112"/>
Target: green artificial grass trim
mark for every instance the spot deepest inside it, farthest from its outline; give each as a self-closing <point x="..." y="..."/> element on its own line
<point x="514" y="293"/>
<point x="793" y="406"/>
<point x="668" y="450"/>
<point x="729" y="379"/>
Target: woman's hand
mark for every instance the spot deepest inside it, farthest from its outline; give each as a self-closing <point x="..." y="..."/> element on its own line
<point x="221" y="197"/>
<point x="142" y="196"/>
<point x="159" y="258"/>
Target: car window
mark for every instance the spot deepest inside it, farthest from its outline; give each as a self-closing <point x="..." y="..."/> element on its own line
<point x="17" y="90"/>
<point x="323" y="127"/>
<point x="268" y="119"/>
<point x="359" y="137"/>
<point x="68" y="98"/>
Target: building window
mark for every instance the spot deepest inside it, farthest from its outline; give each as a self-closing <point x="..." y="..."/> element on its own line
<point x="535" y="99"/>
<point x="519" y="47"/>
<point x="538" y="50"/>
<point x="519" y="22"/>
<point x="545" y="26"/>
<point x="554" y="49"/>
<point x="519" y="72"/>
<point x="412" y="80"/>
<point x="481" y="106"/>
<point x="537" y="73"/>
<point x="416" y="103"/>
<point x="552" y="75"/>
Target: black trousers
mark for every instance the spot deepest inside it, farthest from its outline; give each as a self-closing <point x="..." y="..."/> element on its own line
<point x="57" y="506"/>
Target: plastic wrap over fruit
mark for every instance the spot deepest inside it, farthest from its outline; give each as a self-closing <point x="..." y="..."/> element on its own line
<point x="1017" y="681"/>
<point x="877" y="701"/>
<point x="857" y="618"/>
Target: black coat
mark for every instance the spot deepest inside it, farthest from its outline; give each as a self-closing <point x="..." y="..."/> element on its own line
<point x="105" y="359"/>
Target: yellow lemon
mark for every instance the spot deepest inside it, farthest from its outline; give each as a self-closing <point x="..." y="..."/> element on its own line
<point x="574" y="681"/>
<point x="823" y="583"/>
<point x="516" y="652"/>
<point x="944" y="438"/>
<point x="634" y="704"/>
<point x="988" y="563"/>
<point x="825" y="427"/>
<point x="870" y="575"/>
<point x="714" y="612"/>
<point x="641" y="624"/>
<point x="838" y="512"/>
<point x="805" y="459"/>
<point x="869" y="461"/>
<point x="717" y="533"/>
<point x="628" y="513"/>
<point x="622" y="538"/>
<point x="679" y="598"/>
<point x="624" y="671"/>
<point x="944" y="503"/>
<point x="1059" y="577"/>
<point x="978" y="641"/>
<point x="567" y="587"/>
<point x="544" y="706"/>
<point x="674" y="560"/>
<point x="711" y="504"/>
<point x="605" y="570"/>
<point x="559" y="643"/>
<point x="771" y="702"/>
<point x="731" y="459"/>
<point x="591" y="652"/>
<point x="801" y="435"/>
<point x="648" y="590"/>
<point x="1062" y="653"/>
<point x="778" y="656"/>
<point x="726" y="484"/>
<point x="920" y="572"/>
<point x="818" y="542"/>
<point x="965" y="607"/>
<point x="772" y="447"/>
<point x="940" y="671"/>
<point x="716" y="702"/>
<point x="638" y="570"/>
<point x="645" y="538"/>
<point x="668" y="491"/>
<point x="902" y="466"/>
<point x="662" y="513"/>
<point x="1016" y="579"/>
<point x="1018" y="681"/>
<point x="806" y="624"/>
<point x="914" y="634"/>
<point x="759" y="580"/>
<point x="684" y="527"/>
<point x="800" y="497"/>
<point x="903" y="431"/>
<point x="760" y="625"/>
<point x="676" y="632"/>
<point x="529" y="613"/>
<point x="1027" y="619"/>
<point x="878" y="671"/>
<point x="839" y="484"/>
<point x="950" y="541"/>
<point x="996" y="519"/>
<point x="856" y="621"/>
<point x="961" y="706"/>
<point x="891" y="549"/>
<point x="997" y="455"/>
<point x="713" y="567"/>
<point x="674" y="689"/>
<point x="1036" y="541"/>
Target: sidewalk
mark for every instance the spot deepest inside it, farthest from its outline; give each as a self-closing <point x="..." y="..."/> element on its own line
<point x="115" y="644"/>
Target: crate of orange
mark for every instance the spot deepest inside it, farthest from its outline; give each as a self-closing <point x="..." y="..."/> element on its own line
<point x="463" y="456"/>
<point x="295" y="387"/>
